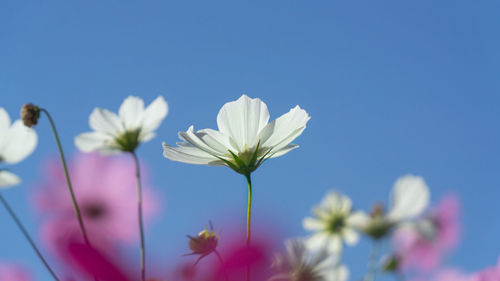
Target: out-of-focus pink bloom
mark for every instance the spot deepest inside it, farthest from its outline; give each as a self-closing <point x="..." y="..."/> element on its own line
<point x="10" y="272"/>
<point x="422" y="244"/>
<point x="488" y="274"/>
<point x="236" y="257"/>
<point x="105" y="188"/>
<point x="450" y="275"/>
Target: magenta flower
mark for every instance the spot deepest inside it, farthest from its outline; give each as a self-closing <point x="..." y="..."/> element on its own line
<point x="106" y="193"/>
<point x="488" y="274"/>
<point x="423" y="244"/>
<point x="11" y="272"/>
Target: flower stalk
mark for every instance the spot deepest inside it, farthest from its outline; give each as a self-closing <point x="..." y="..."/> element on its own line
<point x="68" y="180"/>
<point x="27" y="236"/>
<point x="249" y="218"/>
<point x="139" y="213"/>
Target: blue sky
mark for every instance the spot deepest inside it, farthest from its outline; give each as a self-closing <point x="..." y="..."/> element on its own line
<point x="392" y="88"/>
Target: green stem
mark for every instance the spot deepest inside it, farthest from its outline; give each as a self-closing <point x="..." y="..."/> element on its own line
<point x="27" y="236"/>
<point x="66" y="174"/>
<point x="372" y="262"/>
<point x="222" y="264"/>
<point x="249" y="216"/>
<point x="68" y="181"/>
<point x="139" y="212"/>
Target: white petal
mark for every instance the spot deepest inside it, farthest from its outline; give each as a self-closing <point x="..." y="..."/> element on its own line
<point x="358" y="220"/>
<point x="337" y="273"/>
<point x="4" y="125"/>
<point x="131" y="112"/>
<point x="283" y="151"/>
<point x="317" y="241"/>
<point x="154" y="115"/>
<point x="410" y="197"/>
<point x="92" y="141"/>
<point x="216" y="140"/>
<point x="334" y="244"/>
<point x="106" y="122"/>
<point x="190" y="155"/>
<point x="285" y="129"/>
<point x="8" y="179"/>
<point x="312" y="224"/>
<point x="350" y="236"/>
<point x="18" y="143"/>
<point x="195" y="139"/>
<point x="336" y="202"/>
<point x="242" y="120"/>
<point x="145" y="137"/>
<point x="4" y="121"/>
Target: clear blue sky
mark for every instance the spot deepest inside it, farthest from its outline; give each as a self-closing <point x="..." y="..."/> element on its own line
<point x="392" y="87"/>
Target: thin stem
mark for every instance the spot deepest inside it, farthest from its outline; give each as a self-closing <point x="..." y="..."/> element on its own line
<point x="66" y="174"/>
<point x="27" y="236"/>
<point x="249" y="216"/>
<point x="222" y="264"/>
<point x="372" y="262"/>
<point x="139" y="212"/>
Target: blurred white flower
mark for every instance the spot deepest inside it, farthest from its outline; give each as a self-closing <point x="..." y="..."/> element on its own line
<point x="16" y="143"/>
<point x="333" y="224"/>
<point x="409" y="199"/>
<point x="297" y="264"/>
<point x="244" y="139"/>
<point x="123" y="132"/>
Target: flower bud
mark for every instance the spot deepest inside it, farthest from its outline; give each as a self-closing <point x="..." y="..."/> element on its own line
<point x="204" y="243"/>
<point x="30" y="114"/>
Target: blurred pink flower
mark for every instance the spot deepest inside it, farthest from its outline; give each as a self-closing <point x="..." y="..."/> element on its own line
<point x="423" y="244"/>
<point x="11" y="272"/>
<point x="488" y="274"/>
<point x="105" y="188"/>
<point x="452" y="275"/>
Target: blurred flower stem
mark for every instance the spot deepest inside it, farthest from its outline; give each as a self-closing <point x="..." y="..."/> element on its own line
<point x="219" y="257"/>
<point x="371" y="271"/>
<point x="68" y="180"/>
<point x="27" y="236"/>
<point x="66" y="174"/>
<point x="139" y="212"/>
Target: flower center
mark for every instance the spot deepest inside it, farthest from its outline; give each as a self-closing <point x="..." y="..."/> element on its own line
<point x="94" y="210"/>
<point x="336" y="223"/>
<point x="129" y="141"/>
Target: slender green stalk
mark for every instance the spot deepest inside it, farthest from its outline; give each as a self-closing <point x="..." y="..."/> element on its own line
<point x="27" y="236"/>
<point x="66" y="174"/>
<point x="372" y="262"/>
<point x="139" y="212"/>
<point x="249" y="216"/>
<point x="222" y="264"/>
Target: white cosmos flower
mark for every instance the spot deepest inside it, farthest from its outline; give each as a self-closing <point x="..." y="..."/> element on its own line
<point x="244" y="139"/>
<point x="123" y="131"/>
<point x="298" y="264"/>
<point x="334" y="223"/>
<point x="410" y="197"/>
<point x="16" y="143"/>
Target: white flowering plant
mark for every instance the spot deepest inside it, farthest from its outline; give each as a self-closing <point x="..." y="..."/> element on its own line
<point x="405" y="234"/>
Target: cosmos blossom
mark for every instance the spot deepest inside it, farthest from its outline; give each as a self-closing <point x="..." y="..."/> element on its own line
<point x="106" y="194"/>
<point x="409" y="199"/>
<point x="244" y="139"/>
<point x="16" y="143"/>
<point x="333" y="223"/>
<point x="423" y="243"/>
<point x="14" y="272"/>
<point x="123" y="132"/>
<point x="298" y="264"/>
